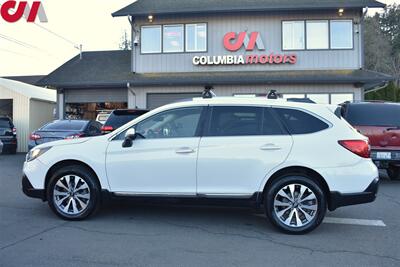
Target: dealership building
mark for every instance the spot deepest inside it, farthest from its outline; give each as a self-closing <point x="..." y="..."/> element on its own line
<point x="302" y="48"/>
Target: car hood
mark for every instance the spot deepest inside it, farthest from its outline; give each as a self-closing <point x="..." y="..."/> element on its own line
<point x="64" y="142"/>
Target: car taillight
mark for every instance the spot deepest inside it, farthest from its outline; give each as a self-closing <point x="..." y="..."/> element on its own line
<point x="34" y="137"/>
<point x="358" y="147"/>
<point x="14" y="131"/>
<point x="74" y="136"/>
<point x="107" y="128"/>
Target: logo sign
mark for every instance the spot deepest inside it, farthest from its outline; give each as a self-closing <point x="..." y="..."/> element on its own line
<point x="233" y="42"/>
<point x="13" y="11"/>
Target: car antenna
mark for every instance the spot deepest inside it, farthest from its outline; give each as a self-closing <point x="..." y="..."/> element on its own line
<point x="208" y="93"/>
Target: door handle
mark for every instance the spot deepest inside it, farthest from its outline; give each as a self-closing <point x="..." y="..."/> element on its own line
<point x="184" y="150"/>
<point x="270" y="147"/>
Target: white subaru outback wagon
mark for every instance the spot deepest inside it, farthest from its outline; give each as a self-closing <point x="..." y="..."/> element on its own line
<point x="295" y="160"/>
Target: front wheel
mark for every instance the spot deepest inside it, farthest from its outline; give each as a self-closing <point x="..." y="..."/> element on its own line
<point x="295" y="204"/>
<point x="393" y="172"/>
<point x="73" y="193"/>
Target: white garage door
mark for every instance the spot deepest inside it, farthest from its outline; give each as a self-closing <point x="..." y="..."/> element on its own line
<point x="158" y="100"/>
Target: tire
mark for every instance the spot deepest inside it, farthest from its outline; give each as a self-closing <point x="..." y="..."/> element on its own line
<point x="305" y="215"/>
<point x="393" y="172"/>
<point x="73" y="205"/>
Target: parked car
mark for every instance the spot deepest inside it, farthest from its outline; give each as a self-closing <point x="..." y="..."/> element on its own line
<point x="102" y="116"/>
<point x="64" y="129"/>
<point x="294" y="159"/>
<point x="120" y="117"/>
<point x="380" y="122"/>
<point x="8" y="135"/>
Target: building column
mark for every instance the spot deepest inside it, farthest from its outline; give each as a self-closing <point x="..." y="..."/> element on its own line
<point x="132" y="103"/>
<point x="60" y="104"/>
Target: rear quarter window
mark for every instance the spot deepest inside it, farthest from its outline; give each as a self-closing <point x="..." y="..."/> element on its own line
<point x="300" y="122"/>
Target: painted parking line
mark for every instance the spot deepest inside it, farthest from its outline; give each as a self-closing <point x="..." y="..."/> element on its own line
<point x="362" y="222"/>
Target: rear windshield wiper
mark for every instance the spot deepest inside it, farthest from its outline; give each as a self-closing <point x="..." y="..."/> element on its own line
<point x="393" y="128"/>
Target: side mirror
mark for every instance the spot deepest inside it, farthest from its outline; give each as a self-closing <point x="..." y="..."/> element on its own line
<point x="130" y="135"/>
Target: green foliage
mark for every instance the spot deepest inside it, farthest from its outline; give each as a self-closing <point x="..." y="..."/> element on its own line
<point x="382" y="50"/>
<point x="390" y="93"/>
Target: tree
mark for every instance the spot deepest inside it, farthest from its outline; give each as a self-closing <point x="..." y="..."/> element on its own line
<point x="382" y="50"/>
<point x="125" y="43"/>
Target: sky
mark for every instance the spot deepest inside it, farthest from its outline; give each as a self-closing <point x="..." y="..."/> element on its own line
<point x="35" y="51"/>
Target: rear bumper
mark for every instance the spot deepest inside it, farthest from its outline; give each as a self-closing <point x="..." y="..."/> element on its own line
<point x="28" y="190"/>
<point x="340" y="200"/>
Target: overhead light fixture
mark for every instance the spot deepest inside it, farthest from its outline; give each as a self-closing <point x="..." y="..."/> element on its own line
<point x="341" y="12"/>
<point x="151" y="18"/>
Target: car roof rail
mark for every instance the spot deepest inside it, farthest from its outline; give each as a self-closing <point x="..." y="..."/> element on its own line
<point x="208" y="93"/>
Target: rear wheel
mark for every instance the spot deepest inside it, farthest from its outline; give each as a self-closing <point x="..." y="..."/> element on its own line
<point x="295" y="204"/>
<point x="73" y="193"/>
<point x="393" y="172"/>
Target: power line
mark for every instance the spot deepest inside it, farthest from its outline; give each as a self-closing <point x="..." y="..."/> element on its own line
<point x="13" y="40"/>
<point x="56" y="34"/>
<point x="16" y="53"/>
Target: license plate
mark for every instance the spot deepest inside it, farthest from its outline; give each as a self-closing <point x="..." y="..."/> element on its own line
<point x="384" y="155"/>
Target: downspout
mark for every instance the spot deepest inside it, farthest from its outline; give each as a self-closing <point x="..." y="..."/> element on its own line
<point x="130" y="90"/>
<point x="362" y="48"/>
<point x="133" y="43"/>
<point x="361" y="39"/>
<point x="377" y="88"/>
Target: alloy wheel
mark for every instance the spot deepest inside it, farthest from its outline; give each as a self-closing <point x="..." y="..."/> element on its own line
<point x="71" y="195"/>
<point x="295" y="205"/>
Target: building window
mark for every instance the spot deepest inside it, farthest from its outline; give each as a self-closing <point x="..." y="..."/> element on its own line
<point x="173" y="38"/>
<point x="196" y="37"/>
<point x="341" y="34"/>
<point x="293" y="35"/>
<point x="319" y="98"/>
<point x="337" y="99"/>
<point x="317" y="34"/>
<point x="151" y="39"/>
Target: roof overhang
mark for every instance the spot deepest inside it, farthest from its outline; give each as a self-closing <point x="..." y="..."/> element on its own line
<point x="141" y="9"/>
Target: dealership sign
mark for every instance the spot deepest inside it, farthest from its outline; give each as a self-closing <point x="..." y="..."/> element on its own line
<point x="13" y="11"/>
<point x="234" y="42"/>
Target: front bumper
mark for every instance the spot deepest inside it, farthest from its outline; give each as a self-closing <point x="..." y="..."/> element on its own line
<point x="28" y="190"/>
<point x="383" y="159"/>
<point x="340" y="200"/>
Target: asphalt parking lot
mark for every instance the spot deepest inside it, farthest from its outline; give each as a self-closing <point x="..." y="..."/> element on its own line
<point x="125" y="234"/>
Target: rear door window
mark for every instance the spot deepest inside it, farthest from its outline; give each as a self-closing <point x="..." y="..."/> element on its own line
<point x="236" y="121"/>
<point x="373" y="114"/>
<point x="300" y="122"/>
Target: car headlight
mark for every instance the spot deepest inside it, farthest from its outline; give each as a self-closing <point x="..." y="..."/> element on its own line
<point x="36" y="152"/>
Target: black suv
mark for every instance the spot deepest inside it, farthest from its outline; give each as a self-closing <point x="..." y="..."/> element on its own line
<point x="120" y="117"/>
<point x="8" y="135"/>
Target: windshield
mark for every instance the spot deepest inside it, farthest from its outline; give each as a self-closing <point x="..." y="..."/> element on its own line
<point x="65" y="126"/>
<point x="374" y="115"/>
